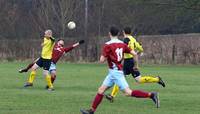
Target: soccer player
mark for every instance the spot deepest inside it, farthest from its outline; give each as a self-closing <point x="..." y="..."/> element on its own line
<point x="128" y="67"/>
<point x="58" y="51"/>
<point x="113" y="51"/>
<point x="44" y="61"/>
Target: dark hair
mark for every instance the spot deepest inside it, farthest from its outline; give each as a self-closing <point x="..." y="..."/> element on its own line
<point x="127" y="30"/>
<point x="114" y="31"/>
<point x="60" y="39"/>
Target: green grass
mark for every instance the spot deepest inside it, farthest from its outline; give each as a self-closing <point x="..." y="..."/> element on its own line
<point x="77" y="84"/>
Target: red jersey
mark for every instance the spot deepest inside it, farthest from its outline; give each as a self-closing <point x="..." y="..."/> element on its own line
<point x="114" y="50"/>
<point x="58" y="51"/>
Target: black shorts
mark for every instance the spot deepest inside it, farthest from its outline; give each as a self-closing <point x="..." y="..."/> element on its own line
<point x="45" y="63"/>
<point x="128" y="68"/>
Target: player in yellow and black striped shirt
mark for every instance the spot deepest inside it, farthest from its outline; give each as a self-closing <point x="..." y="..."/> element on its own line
<point x="44" y="61"/>
<point x="129" y="66"/>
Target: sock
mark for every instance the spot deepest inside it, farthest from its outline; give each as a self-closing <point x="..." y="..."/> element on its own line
<point x="53" y="78"/>
<point x="97" y="101"/>
<point x="48" y="79"/>
<point x="148" y="79"/>
<point x="31" y="76"/>
<point x="115" y="90"/>
<point x="140" y="94"/>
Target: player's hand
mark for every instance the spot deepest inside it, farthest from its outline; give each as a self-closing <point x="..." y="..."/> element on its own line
<point x="81" y="41"/>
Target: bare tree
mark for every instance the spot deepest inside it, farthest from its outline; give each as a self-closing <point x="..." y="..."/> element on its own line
<point x="54" y="14"/>
<point x="9" y="16"/>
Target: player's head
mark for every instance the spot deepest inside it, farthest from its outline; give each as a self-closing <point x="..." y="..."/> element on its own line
<point x="61" y="42"/>
<point x="127" y="30"/>
<point x="114" y="31"/>
<point x="48" y="33"/>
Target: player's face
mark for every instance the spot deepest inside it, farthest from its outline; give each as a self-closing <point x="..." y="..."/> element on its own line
<point x="48" y="33"/>
<point x="61" y="43"/>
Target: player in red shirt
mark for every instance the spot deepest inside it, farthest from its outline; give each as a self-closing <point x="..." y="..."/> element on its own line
<point x="113" y="52"/>
<point x="58" y="51"/>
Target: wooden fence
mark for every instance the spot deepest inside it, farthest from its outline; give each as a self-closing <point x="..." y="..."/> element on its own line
<point x="158" y="49"/>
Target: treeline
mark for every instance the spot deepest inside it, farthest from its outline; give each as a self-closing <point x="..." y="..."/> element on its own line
<point x="23" y="22"/>
<point x="21" y="19"/>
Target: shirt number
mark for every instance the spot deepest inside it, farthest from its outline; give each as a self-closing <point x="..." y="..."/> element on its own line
<point x="119" y="52"/>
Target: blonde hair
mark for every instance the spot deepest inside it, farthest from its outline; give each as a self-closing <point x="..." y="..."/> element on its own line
<point x="48" y="33"/>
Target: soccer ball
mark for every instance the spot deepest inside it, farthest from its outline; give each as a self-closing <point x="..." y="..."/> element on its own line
<point x="71" y="25"/>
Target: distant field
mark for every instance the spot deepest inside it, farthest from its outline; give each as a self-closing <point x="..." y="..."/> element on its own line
<point x="77" y="84"/>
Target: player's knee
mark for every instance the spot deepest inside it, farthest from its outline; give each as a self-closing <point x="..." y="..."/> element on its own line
<point x="137" y="79"/>
<point x="127" y="92"/>
<point x="34" y="67"/>
<point x="53" y="74"/>
<point x="45" y="72"/>
<point x="101" y="90"/>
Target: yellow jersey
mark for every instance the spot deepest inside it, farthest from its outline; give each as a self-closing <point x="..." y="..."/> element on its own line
<point x="132" y="44"/>
<point x="47" y="48"/>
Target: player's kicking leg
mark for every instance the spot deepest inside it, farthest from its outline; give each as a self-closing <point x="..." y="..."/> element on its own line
<point x="123" y="85"/>
<point x="150" y="79"/>
<point x="28" y="67"/>
<point x="142" y="94"/>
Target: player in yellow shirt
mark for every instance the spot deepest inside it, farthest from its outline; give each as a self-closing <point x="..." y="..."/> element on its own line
<point x="44" y="61"/>
<point x="130" y="67"/>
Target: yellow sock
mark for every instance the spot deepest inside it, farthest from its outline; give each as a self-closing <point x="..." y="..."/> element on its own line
<point x="31" y="76"/>
<point x="115" y="90"/>
<point x="49" y="83"/>
<point x="148" y="79"/>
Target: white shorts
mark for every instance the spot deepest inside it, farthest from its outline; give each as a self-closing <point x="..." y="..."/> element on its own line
<point x="115" y="77"/>
<point x="52" y="67"/>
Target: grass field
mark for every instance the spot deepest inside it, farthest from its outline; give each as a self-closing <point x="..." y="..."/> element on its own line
<point x="76" y="86"/>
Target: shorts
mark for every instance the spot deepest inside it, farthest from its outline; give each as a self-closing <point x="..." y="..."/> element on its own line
<point x="128" y="68"/>
<point x="115" y="77"/>
<point x="45" y="63"/>
<point x="52" y="67"/>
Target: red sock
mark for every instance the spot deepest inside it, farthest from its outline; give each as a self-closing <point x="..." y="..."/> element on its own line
<point x="140" y="94"/>
<point x="97" y="101"/>
<point x="53" y="78"/>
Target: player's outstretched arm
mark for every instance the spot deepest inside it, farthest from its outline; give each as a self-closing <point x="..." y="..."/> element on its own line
<point x="67" y="49"/>
<point x="78" y="43"/>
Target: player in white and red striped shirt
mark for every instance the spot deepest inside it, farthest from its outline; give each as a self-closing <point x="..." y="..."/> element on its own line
<point x="113" y="52"/>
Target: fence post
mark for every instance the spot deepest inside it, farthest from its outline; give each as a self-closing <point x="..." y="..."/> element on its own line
<point x="173" y="53"/>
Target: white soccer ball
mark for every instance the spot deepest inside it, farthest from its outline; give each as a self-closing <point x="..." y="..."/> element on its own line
<point x="71" y="25"/>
